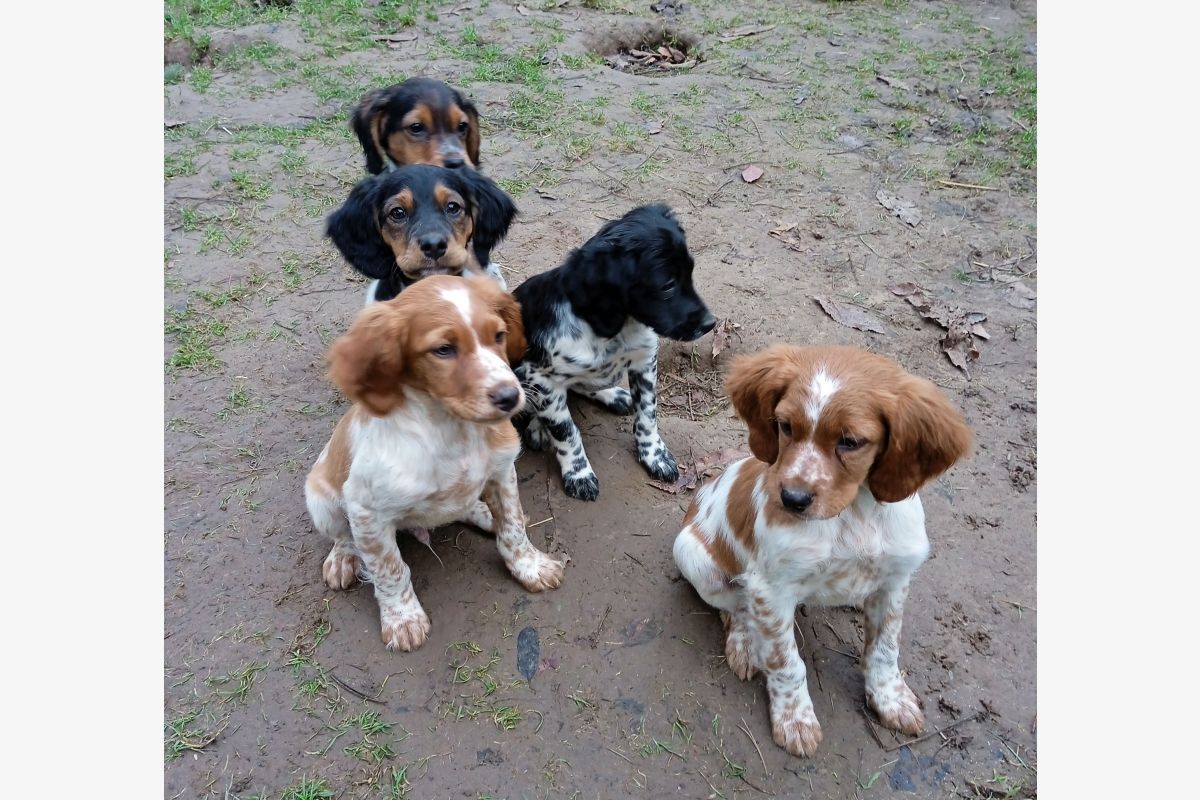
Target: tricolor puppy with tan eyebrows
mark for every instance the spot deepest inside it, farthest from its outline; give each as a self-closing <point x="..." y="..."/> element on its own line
<point x="826" y="512"/>
<point x="429" y="434"/>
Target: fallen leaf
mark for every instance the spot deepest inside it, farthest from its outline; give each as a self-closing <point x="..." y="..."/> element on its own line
<point x="746" y="30"/>
<point x="636" y="633"/>
<point x="399" y="36"/>
<point x="980" y="331"/>
<point x="851" y="316"/>
<point x="664" y="52"/>
<point x="676" y="55"/>
<point x="904" y="288"/>
<point x="752" y="173"/>
<point x="800" y="96"/>
<point x="522" y="10"/>
<point x="893" y="82"/>
<point x="1021" y="296"/>
<point x="960" y="349"/>
<point x="961" y="326"/>
<point x="722" y="334"/>
<point x="528" y="652"/>
<point x="782" y="229"/>
<point x="654" y="127"/>
<point x="173" y="123"/>
<point x="906" y="210"/>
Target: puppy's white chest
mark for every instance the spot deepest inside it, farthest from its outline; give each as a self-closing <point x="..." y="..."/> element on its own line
<point x="587" y="360"/>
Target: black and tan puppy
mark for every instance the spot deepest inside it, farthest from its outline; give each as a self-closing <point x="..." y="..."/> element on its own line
<point x="419" y="121"/>
<point x="416" y="221"/>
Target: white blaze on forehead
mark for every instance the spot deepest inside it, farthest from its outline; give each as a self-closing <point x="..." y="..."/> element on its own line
<point x="820" y="389"/>
<point x="461" y="300"/>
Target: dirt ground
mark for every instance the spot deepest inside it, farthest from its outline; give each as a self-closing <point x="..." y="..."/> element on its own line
<point x="277" y="687"/>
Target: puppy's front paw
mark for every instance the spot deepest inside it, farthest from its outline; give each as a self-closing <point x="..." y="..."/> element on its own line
<point x="538" y="572"/>
<point x="582" y="485"/>
<point x="616" y="399"/>
<point x="659" y="463"/>
<point x="341" y="567"/>
<point x="897" y="708"/>
<point x="796" y="730"/>
<point x="738" y="647"/>
<point x="406" y="630"/>
<point x="534" y="436"/>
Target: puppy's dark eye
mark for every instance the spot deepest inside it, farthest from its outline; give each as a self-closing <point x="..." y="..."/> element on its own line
<point x="416" y="128"/>
<point x="848" y="443"/>
<point x="463" y="127"/>
<point x="453" y="208"/>
<point x="446" y="351"/>
<point x="397" y="214"/>
<point x="668" y="289"/>
<point x="501" y="336"/>
<point x="785" y="427"/>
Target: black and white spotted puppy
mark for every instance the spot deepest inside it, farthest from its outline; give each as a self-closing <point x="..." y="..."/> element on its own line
<point x="597" y="318"/>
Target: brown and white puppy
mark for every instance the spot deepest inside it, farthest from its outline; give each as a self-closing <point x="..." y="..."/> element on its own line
<point x="419" y="121"/>
<point x="429" y="434"/>
<point x="419" y="220"/>
<point x="826" y="512"/>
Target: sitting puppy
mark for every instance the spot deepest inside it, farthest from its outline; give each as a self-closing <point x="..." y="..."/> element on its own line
<point x="597" y="317"/>
<point x="423" y="121"/>
<point x="825" y="512"/>
<point x="428" y="435"/>
<point x="419" y="220"/>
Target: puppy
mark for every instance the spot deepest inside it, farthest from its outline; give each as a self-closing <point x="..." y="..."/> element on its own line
<point x="826" y="512"/>
<point x="597" y="317"/>
<point x="428" y="435"/>
<point x="419" y="121"/>
<point x="423" y="121"/>
<point x="419" y="220"/>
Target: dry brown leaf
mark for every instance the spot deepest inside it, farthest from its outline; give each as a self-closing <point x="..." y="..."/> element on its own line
<point x="522" y="10"/>
<point x="752" y="173"/>
<point x="906" y="210"/>
<point x="782" y="229"/>
<point x="904" y="288"/>
<point x="1021" y="296"/>
<point x="851" y="315"/>
<point x="722" y="334"/>
<point x="654" y="127"/>
<point x="746" y="30"/>
<point x="676" y="55"/>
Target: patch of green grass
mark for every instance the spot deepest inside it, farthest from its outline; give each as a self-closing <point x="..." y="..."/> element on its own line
<point x="514" y="186"/>
<point x="190" y="218"/>
<point x="644" y="103"/>
<point x="308" y="790"/>
<point x="195" y="337"/>
<point x="572" y="61"/>
<point x="400" y="786"/>
<point x="902" y="128"/>
<point x="695" y="96"/>
<point x="183" y="734"/>
<point x="293" y="162"/>
<point x="242" y="680"/>
<point x="250" y="187"/>
<point x="245" y="153"/>
<point x="627" y="138"/>
<point x="179" y="164"/>
<point x="201" y="79"/>
<point x="507" y="718"/>
<point x="173" y="73"/>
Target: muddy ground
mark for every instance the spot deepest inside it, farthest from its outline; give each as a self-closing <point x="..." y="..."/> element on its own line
<point x="277" y="687"/>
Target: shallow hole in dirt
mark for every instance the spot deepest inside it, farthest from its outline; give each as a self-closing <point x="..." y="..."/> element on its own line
<point x="645" y="50"/>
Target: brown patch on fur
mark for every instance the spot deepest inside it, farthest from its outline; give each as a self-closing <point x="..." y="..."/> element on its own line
<point x="739" y="506"/>
<point x="504" y="305"/>
<point x="722" y="554"/>
<point x="331" y="473"/>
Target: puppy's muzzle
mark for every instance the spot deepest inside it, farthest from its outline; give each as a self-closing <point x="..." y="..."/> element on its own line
<point x="505" y="398"/>
<point x="796" y="500"/>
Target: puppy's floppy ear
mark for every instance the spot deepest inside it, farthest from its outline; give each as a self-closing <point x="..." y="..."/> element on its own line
<point x="493" y="210"/>
<point x="756" y="384"/>
<point x="366" y="362"/>
<point x="354" y="228"/>
<point x="510" y="311"/>
<point x="926" y="435"/>
<point x="365" y="122"/>
<point x="473" y="134"/>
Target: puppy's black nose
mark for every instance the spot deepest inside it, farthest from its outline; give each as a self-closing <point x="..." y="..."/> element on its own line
<point x="795" y="499"/>
<point x="452" y="162"/>
<point x="505" y="399"/>
<point x="433" y="245"/>
<point x="707" y="324"/>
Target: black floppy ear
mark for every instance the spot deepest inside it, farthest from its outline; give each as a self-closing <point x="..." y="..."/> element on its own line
<point x="473" y="134"/>
<point x="599" y="290"/>
<point x="354" y="228"/>
<point x="493" y="212"/>
<point x="363" y="121"/>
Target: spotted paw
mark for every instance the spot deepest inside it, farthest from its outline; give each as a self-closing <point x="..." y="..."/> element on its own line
<point x="534" y="436"/>
<point x="405" y="631"/>
<point x="539" y="572"/>
<point x="796" y="731"/>
<point x="660" y="464"/>
<point x="615" y="399"/>
<point x="582" y="485"/>
<point x="738" y="647"/>
<point x="897" y="707"/>
<point x="341" y="567"/>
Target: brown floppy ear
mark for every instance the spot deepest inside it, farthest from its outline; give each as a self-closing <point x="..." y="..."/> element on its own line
<point x="510" y="311"/>
<point x="366" y="362"/>
<point x="473" y="133"/>
<point x="756" y="385"/>
<point x="926" y="435"/>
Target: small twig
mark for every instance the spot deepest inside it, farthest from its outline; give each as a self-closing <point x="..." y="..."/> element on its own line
<point x="746" y="781"/>
<point x="354" y="691"/>
<point x="872" y="249"/>
<point x="619" y="755"/>
<point x="871" y="727"/>
<point x="543" y="522"/>
<point x="968" y="185"/>
<point x="746" y="730"/>
<point x="1018" y="605"/>
<point x="840" y="652"/>
<point x="938" y="732"/>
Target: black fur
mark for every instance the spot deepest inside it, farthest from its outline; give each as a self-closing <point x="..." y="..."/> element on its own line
<point x="355" y="226"/>
<point x="620" y="273"/>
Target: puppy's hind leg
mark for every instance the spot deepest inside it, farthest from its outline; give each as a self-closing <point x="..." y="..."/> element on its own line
<point x="714" y="586"/>
<point x="342" y="565"/>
